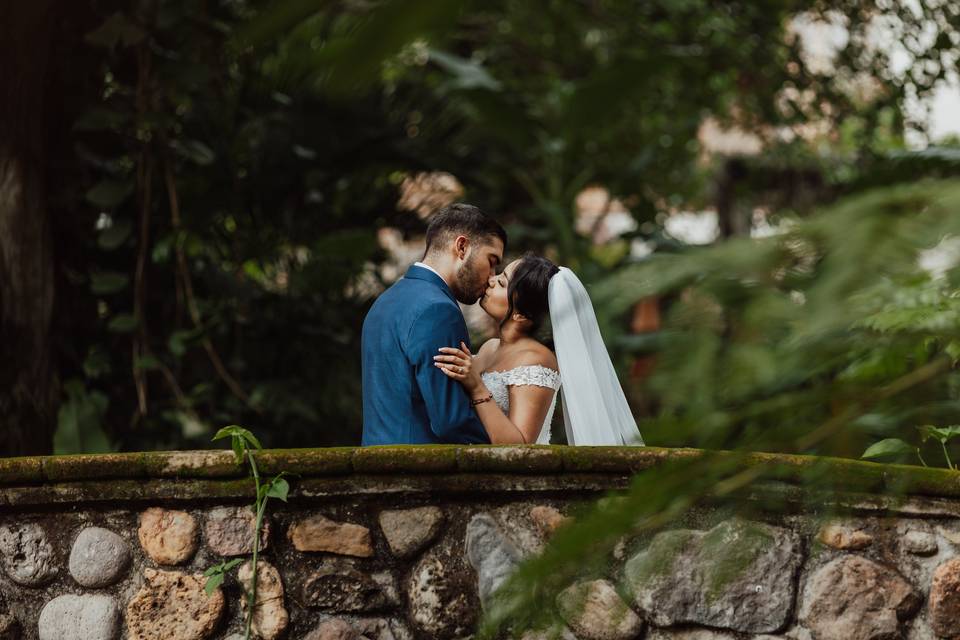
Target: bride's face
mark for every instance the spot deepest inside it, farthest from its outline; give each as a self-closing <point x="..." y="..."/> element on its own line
<point x="494" y="300"/>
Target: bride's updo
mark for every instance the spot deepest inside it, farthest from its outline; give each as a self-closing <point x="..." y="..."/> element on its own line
<point x="527" y="291"/>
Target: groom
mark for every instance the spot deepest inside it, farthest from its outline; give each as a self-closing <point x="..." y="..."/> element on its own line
<point x="406" y="399"/>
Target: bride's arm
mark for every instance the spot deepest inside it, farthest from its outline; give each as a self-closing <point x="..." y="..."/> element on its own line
<point x="528" y="404"/>
<point x="528" y="409"/>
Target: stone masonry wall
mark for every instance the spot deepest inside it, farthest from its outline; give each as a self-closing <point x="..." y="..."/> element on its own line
<point x="396" y="543"/>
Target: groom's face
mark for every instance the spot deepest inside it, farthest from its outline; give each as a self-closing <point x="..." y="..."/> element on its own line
<point x="478" y="265"/>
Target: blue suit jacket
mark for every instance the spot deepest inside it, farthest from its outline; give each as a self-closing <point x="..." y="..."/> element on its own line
<point x="406" y="399"/>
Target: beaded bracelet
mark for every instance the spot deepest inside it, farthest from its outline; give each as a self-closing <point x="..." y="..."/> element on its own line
<point x="474" y="403"/>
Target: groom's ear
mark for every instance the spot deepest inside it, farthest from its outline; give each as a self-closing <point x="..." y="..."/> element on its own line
<point x="460" y="246"/>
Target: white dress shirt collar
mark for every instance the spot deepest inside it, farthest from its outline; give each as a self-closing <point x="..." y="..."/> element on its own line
<point x="428" y="267"/>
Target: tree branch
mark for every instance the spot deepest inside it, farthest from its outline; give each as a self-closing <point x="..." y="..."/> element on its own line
<point x="918" y="376"/>
<point x="191" y="300"/>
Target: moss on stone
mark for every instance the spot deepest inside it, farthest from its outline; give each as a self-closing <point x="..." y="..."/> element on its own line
<point x="215" y="463"/>
<point x="602" y="459"/>
<point x="122" y="490"/>
<point x="922" y="481"/>
<point x="93" y="466"/>
<point x="658" y="558"/>
<point x="604" y="464"/>
<point x="836" y="473"/>
<point x="25" y="469"/>
<point x="197" y="488"/>
<point x="307" y="462"/>
<point x="405" y="458"/>
<point x="844" y="475"/>
<point x="727" y="550"/>
<point x="848" y="475"/>
<point x="619" y="459"/>
<point x="528" y="459"/>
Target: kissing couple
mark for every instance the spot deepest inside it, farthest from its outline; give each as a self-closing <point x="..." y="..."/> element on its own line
<point x="422" y="383"/>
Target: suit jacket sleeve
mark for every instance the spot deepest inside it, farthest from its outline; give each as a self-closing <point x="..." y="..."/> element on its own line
<point x="452" y="419"/>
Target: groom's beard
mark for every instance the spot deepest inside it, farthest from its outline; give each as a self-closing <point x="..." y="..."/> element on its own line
<point x="469" y="283"/>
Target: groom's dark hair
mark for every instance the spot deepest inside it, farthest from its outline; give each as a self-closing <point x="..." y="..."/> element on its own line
<point x="461" y="219"/>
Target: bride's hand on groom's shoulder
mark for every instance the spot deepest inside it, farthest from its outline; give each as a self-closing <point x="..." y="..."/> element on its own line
<point x="458" y="364"/>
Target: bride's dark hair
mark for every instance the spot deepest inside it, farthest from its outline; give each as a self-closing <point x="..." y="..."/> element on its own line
<point x="527" y="291"/>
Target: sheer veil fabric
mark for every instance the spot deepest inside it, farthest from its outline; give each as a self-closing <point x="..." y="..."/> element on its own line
<point x="595" y="409"/>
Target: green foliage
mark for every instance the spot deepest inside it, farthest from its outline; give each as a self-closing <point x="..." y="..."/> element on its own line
<point x="895" y="448"/>
<point x="109" y="193"/>
<point x="233" y="165"/>
<point x="240" y="440"/>
<point x="726" y="562"/>
<point x="806" y="341"/>
<point x="805" y="328"/>
<point x="943" y="435"/>
<point x="233" y="200"/>
<point x="217" y="573"/>
<point x="104" y="283"/>
<point x="79" y="420"/>
<point x="244" y="445"/>
<point x="887" y="448"/>
<point x="277" y="488"/>
<point x="226" y="216"/>
<point x="660" y="556"/>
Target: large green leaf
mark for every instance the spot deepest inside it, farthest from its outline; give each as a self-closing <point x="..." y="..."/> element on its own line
<point x="466" y="73"/>
<point x="941" y="434"/>
<point x="122" y="323"/>
<point x="195" y="151"/>
<point x="352" y="63"/>
<point x="278" y="488"/>
<point x="271" y="24"/>
<point x="107" y="282"/>
<point x="180" y="340"/>
<point x="888" y="448"/>
<point x="101" y="119"/>
<point x="97" y="363"/>
<point x="146" y="363"/>
<point x="240" y="439"/>
<point x="116" y="30"/>
<point x="80" y="421"/>
<point x="109" y="194"/>
<point x="115" y="235"/>
<point x="602" y="94"/>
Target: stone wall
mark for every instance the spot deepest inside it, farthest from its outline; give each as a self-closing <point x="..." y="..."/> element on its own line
<point x="407" y="542"/>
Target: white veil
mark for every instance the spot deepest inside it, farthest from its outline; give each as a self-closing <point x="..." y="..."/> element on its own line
<point x="595" y="410"/>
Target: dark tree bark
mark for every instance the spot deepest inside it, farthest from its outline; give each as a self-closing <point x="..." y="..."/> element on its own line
<point x="29" y="387"/>
<point x="799" y="189"/>
<point x="730" y="223"/>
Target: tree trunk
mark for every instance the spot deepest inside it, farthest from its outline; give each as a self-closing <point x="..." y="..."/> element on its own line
<point x="29" y="388"/>
<point x="730" y="221"/>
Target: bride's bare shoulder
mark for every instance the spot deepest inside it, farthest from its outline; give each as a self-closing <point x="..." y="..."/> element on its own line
<point x="489" y="346"/>
<point x="533" y="353"/>
<point x="487" y="349"/>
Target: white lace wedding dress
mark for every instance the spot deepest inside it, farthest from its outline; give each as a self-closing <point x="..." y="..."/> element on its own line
<point x="499" y="381"/>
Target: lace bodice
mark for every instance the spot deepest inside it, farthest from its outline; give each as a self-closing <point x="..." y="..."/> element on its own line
<point x="538" y="375"/>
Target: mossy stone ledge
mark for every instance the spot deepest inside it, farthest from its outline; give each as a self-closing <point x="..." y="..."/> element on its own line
<point x="732" y="561"/>
<point x="218" y="474"/>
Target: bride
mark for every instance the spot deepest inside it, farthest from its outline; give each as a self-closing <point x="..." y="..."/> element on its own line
<point x="514" y="378"/>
